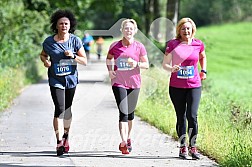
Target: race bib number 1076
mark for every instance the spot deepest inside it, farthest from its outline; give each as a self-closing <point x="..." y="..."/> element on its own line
<point x="62" y="70"/>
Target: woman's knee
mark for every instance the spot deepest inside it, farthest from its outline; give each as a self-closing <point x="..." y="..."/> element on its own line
<point x="131" y="116"/>
<point x="123" y="118"/>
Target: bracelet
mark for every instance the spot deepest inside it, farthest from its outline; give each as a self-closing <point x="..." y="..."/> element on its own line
<point x="204" y="71"/>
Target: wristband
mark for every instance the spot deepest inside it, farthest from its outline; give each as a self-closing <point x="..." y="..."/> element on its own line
<point x="204" y="71"/>
<point x="138" y="64"/>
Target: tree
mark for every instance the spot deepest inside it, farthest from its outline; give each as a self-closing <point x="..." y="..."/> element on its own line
<point x="156" y="15"/>
<point x="147" y="16"/>
<point x="172" y="13"/>
<point x="172" y="10"/>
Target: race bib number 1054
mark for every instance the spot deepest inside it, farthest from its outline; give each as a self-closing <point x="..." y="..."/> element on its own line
<point x="185" y="72"/>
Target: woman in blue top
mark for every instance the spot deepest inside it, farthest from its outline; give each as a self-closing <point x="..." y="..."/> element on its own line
<point x="60" y="54"/>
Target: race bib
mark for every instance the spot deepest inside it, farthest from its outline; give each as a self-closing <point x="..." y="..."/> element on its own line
<point x="122" y="64"/>
<point x="185" y="72"/>
<point x="62" y="69"/>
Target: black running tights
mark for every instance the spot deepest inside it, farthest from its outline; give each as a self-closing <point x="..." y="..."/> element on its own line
<point x="126" y="100"/>
<point x="186" y="104"/>
<point x="62" y="99"/>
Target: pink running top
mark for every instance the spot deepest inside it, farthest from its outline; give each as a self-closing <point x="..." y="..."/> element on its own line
<point x="126" y="77"/>
<point x="187" y="56"/>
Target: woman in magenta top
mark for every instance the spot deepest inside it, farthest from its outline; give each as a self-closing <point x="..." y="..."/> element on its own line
<point x="181" y="58"/>
<point x="124" y="60"/>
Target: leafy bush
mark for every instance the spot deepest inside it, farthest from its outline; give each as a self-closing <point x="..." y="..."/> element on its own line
<point x="22" y="31"/>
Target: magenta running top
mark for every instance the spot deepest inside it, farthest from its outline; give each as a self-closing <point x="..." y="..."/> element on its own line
<point x="187" y="57"/>
<point x="126" y="76"/>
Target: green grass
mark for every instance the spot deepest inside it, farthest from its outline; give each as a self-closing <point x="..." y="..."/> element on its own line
<point x="225" y="117"/>
<point x="10" y="86"/>
<point x="14" y="79"/>
<point x="229" y="52"/>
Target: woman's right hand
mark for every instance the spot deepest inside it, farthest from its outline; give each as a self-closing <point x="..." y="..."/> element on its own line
<point x="175" y="68"/>
<point x="112" y="74"/>
<point x="47" y="63"/>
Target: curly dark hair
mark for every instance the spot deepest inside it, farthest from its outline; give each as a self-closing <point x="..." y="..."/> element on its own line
<point x="58" y="15"/>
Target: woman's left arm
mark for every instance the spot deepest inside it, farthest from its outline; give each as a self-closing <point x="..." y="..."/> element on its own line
<point x="203" y="65"/>
<point x="81" y="56"/>
<point x="144" y="62"/>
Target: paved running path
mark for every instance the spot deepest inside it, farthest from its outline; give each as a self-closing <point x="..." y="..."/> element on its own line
<point x="27" y="137"/>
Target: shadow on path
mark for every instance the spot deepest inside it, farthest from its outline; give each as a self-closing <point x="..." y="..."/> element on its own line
<point x="87" y="154"/>
<point x="109" y="154"/>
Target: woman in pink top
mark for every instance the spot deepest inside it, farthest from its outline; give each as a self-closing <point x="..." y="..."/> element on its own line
<point x="181" y="58"/>
<point x="124" y="60"/>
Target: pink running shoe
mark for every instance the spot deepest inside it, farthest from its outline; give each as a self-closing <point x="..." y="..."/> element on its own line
<point x="123" y="148"/>
<point x="129" y="146"/>
<point x="60" y="149"/>
<point x="193" y="152"/>
<point x="183" y="152"/>
<point x="66" y="145"/>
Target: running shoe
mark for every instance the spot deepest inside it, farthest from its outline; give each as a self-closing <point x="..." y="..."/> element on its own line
<point x="60" y="149"/>
<point x="123" y="148"/>
<point x="183" y="152"/>
<point x="66" y="145"/>
<point x="129" y="146"/>
<point x="194" y="153"/>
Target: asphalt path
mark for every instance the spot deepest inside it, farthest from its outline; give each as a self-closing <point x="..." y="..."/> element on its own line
<point x="27" y="137"/>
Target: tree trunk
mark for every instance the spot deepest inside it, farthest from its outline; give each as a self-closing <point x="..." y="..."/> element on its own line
<point x="147" y="11"/>
<point x="172" y="13"/>
<point x="156" y="14"/>
<point x="172" y="10"/>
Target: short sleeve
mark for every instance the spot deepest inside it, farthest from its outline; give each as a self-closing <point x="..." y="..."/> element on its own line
<point x="78" y="43"/>
<point x="47" y="44"/>
<point x="111" y="48"/>
<point x="143" y="51"/>
<point x="202" y="48"/>
<point x="170" y="46"/>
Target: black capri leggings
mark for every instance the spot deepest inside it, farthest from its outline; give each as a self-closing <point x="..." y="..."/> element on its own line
<point x="62" y="99"/>
<point x="186" y="104"/>
<point x="126" y="100"/>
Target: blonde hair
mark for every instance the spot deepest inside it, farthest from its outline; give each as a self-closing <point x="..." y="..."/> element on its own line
<point x="129" y="21"/>
<point x="183" y="21"/>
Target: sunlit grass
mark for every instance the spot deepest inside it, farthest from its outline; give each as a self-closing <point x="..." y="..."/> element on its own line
<point x="10" y="86"/>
